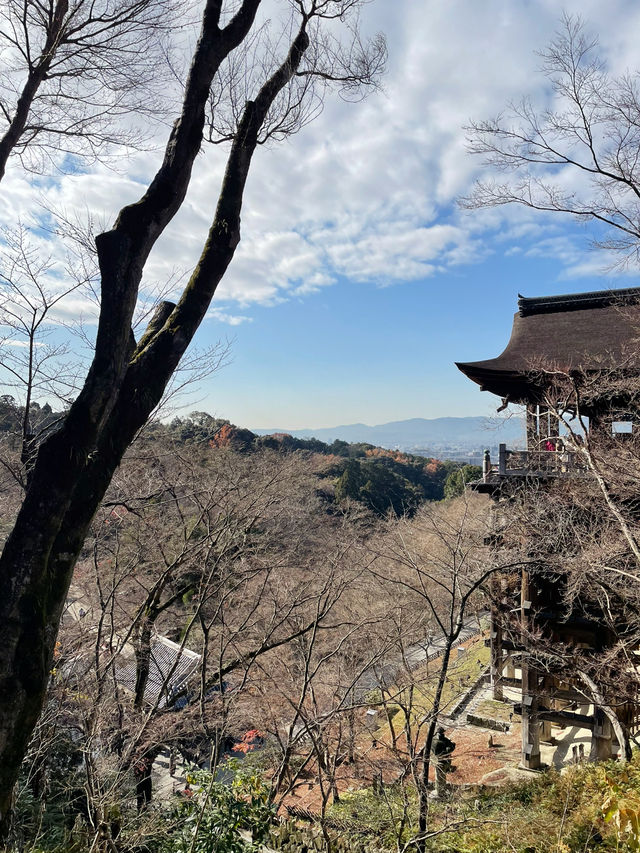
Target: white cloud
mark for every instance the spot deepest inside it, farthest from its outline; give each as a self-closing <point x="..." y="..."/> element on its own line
<point x="7" y="342"/>
<point x="221" y="316"/>
<point x="367" y="191"/>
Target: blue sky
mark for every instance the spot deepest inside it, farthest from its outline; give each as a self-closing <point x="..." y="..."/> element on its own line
<point x="358" y="282"/>
<point x="356" y="353"/>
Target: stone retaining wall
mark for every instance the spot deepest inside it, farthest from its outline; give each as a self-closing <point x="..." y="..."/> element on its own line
<point x="488" y="723"/>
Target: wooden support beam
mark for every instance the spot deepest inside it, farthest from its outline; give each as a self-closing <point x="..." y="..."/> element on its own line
<point x="529" y="709"/>
<point x="545" y="724"/>
<point x="532" y="428"/>
<point x="567" y="718"/>
<point x="562" y="718"/>
<point x="496" y="656"/>
<point x="509" y="670"/>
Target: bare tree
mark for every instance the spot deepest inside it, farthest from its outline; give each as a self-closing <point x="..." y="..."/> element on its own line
<point x="590" y="132"/>
<point x="436" y="562"/>
<point x="231" y="556"/>
<point x="590" y="554"/>
<point x="44" y="353"/>
<point x="127" y="378"/>
<point x="35" y="362"/>
<point x="319" y="691"/>
<point x="72" y="71"/>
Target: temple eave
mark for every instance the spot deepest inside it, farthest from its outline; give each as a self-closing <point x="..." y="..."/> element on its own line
<point x="517" y="386"/>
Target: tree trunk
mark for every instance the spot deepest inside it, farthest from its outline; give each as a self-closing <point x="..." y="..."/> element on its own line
<point x="37" y="76"/>
<point x="423" y="813"/>
<point x="599" y="700"/>
<point x="143" y="661"/>
<point x="125" y="382"/>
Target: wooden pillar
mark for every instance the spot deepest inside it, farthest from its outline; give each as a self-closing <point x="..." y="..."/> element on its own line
<point x="602" y="737"/>
<point x="502" y="459"/>
<point x="496" y="655"/>
<point x="599" y="424"/>
<point x="543" y="422"/>
<point x="509" y="667"/>
<point x="545" y="731"/>
<point x="545" y="725"/>
<point x="532" y="428"/>
<point x="530" y="756"/>
<point x="548" y="423"/>
<point x="496" y="596"/>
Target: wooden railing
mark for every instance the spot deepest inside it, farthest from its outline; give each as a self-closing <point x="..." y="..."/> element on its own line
<point x="536" y="463"/>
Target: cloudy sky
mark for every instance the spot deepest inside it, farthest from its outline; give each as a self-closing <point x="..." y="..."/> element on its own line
<point x="358" y="281"/>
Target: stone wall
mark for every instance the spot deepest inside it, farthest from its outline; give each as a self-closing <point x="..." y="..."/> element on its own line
<point x="488" y="723"/>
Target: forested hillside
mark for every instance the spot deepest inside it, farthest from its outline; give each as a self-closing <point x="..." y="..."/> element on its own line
<point x="382" y="480"/>
<point x="242" y="652"/>
<point x="235" y="596"/>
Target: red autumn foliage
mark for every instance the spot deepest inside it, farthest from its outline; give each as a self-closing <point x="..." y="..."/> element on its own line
<point x="396" y="455"/>
<point x="433" y="466"/>
<point x="249" y="741"/>
<point x="232" y="437"/>
<point x="223" y="437"/>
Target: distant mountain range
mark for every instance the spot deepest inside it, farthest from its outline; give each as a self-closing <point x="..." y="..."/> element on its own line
<point x="457" y="436"/>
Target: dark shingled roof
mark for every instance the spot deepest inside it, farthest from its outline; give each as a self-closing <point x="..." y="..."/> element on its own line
<point x="577" y="301"/>
<point x="170" y="666"/>
<point x="583" y="331"/>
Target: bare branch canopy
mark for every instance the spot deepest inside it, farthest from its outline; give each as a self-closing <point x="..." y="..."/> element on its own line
<point x="579" y="156"/>
<point x="127" y="378"/>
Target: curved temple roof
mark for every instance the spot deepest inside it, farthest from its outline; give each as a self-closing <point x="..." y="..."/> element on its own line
<point x="592" y="331"/>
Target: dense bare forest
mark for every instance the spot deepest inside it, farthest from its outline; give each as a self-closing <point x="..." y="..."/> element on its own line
<point x="241" y="655"/>
<point x="226" y="602"/>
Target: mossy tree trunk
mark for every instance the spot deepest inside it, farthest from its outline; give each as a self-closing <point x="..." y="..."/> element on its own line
<point x="125" y="382"/>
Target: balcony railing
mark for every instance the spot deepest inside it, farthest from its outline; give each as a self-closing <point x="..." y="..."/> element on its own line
<point x="533" y="463"/>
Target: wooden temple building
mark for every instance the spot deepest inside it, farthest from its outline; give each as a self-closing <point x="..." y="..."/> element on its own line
<point x="587" y="341"/>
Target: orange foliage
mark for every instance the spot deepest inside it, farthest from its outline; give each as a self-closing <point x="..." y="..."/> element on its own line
<point x="433" y="466"/>
<point x="249" y="741"/>
<point x="396" y="455"/>
<point x="223" y="437"/>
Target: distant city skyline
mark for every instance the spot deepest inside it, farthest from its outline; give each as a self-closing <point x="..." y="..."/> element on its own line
<point x="445" y="438"/>
<point x="358" y="282"/>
